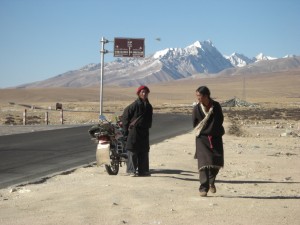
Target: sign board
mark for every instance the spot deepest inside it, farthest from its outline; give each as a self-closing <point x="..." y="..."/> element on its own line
<point x="129" y="47"/>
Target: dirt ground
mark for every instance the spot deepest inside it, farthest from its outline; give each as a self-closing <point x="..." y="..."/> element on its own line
<point x="259" y="184"/>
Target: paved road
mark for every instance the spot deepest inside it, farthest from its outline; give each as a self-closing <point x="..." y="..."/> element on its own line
<point x="30" y="156"/>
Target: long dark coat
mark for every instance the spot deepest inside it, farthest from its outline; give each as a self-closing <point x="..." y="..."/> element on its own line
<point x="209" y="144"/>
<point x="138" y="136"/>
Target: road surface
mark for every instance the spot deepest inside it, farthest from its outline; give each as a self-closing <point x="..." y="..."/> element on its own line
<point x="28" y="157"/>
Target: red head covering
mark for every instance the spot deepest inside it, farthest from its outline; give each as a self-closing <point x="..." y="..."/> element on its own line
<point x="143" y="87"/>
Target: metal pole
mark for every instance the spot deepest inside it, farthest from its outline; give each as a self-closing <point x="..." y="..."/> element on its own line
<point x="101" y="75"/>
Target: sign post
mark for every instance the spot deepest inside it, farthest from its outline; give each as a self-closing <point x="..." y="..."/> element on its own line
<point x="103" y="51"/>
<point x="123" y="47"/>
<point x="129" y="47"/>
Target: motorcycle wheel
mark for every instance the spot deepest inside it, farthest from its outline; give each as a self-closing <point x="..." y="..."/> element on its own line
<point x="113" y="168"/>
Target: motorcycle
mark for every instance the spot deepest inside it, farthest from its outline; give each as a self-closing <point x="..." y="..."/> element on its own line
<point x="110" y="144"/>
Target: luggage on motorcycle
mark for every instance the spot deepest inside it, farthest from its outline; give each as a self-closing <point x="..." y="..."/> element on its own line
<point x="103" y="128"/>
<point x="102" y="154"/>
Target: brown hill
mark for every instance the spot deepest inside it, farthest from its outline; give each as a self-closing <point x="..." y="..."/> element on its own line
<point x="271" y="87"/>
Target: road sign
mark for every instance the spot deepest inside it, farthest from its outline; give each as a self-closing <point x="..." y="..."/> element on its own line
<point x="129" y="47"/>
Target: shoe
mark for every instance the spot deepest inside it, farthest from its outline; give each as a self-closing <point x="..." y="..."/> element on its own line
<point x="212" y="188"/>
<point x="132" y="174"/>
<point x="144" y="175"/>
<point x="203" y="193"/>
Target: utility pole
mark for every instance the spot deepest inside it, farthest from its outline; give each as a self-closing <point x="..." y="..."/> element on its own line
<point x="103" y="51"/>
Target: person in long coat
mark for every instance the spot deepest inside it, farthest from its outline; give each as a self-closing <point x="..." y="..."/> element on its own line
<point x="208" y="124"/>
<point x="140" y="113"/>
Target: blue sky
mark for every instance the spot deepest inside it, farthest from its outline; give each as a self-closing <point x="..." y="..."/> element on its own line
<point x="43" y="38"/>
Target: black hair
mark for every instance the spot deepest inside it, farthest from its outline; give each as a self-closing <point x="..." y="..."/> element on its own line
<point x="203" y="90"/>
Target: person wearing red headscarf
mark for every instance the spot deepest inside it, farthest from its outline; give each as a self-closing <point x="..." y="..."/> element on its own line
<point x="137" y="120"/>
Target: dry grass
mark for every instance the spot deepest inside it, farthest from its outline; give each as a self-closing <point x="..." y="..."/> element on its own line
<point x="81" y="105"/>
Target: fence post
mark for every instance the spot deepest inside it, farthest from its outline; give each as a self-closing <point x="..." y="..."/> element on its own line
<point x="46" y="118"/>
<point x="61" y="116"/>
<point x="24" y="116"/>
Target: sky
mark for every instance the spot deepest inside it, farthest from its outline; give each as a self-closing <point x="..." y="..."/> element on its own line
<point x="40" y="39"/>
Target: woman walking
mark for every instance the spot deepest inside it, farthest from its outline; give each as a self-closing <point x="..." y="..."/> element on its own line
<point x="137" y="120"/>
<point x="208" y="124"/>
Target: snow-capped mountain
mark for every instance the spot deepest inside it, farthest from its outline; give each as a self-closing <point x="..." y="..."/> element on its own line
<point x="262" y="57"/>
<point x="239" y="60"/>
<point x="289" y="56"/>
<point x="91" y="66"/>
<point x="165" y="65"/>
<point x="200" y="57"/>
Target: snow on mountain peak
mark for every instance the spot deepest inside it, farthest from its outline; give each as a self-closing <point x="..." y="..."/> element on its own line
<point x="197" y="44"/>
<point x="238" y="60"/>
<point x="261" y="57"/>
<point x="201" y="45"/>
<point x="289" y="56"/>
<point x="191" y="49"/>
<point x="161" y="53"/>
<point x="88" y="67"/>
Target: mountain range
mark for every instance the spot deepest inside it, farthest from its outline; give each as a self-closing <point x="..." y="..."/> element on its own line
<point x="198" y="59"/>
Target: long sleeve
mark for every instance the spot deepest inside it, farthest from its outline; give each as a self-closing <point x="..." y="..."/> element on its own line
<point x="126" y="118"/>
<point x="196" y="116"/>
